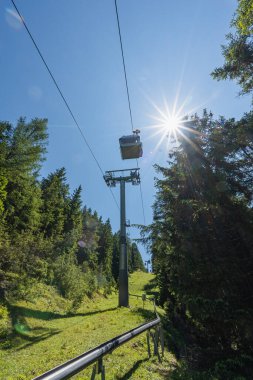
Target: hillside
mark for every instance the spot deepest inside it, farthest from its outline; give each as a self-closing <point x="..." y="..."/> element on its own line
<point x="46" y="335"/>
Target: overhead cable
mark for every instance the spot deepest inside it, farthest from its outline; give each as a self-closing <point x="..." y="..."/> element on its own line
<point x="61" y="94"/>
<point x="142" y="204"/>
<point x="128" y="96"/>
<point x="124" y="66"/>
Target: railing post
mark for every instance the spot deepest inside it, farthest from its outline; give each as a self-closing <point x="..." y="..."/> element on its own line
<point x="153" y="334"/>
<point x="157" y="336"/>
<point x="143" y="297"/>
<point x="97" y="369"/>
<point x="94" y="371"/>
<point x="148" y="343"/>
<point x="101" y="368"/>
<point x="162" y="339"/>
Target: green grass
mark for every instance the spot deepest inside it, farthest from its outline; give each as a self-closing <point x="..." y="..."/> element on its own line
<point x="46" y="335"/>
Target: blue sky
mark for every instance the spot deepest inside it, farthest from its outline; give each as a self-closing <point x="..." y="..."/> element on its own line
<point x="170" y="49"/>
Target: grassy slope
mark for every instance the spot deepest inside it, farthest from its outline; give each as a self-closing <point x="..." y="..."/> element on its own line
<point x="47" y="337"/>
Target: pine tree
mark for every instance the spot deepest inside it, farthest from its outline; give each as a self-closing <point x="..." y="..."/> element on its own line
<point x="136" y="259"/>
<point x="3" y="192"/>
<point x="105" y="249"/>
<point x="74" y="213"/>
<point x="22" y="150"/>
<point x="202" y="242"/>
<point x="55" y="193"/>
<point x="87" y="254"/>
<point x="238" y="53"/>
<point x="115" y="256"/>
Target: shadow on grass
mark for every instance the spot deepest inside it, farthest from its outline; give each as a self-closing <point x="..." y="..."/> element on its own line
<point x="151" y="288"/>
<point x="23" y="335"/>
<point x="31" y="340"/>
<point x="89" y="313"/>
<point x="147" y="314"/>
<point x="151" y="285"/>
<point x="21" y="311"/>
<point x="20" y="340"/>
<point x="130" y="373"/>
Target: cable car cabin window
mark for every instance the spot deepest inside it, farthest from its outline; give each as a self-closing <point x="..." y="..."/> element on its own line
<point x="130" y="147"/>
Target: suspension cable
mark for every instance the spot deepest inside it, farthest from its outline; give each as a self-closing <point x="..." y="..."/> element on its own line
<point x="124" y="65"/>
<point x="128" y="96"/>
<point x="62" y="96"/>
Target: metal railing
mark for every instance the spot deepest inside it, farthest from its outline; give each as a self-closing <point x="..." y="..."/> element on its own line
<point x="144" y="298"/>
<point x="76" y="365"/>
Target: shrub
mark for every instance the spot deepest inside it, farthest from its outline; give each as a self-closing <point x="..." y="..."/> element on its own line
<point x="72" y="283"/>
<point x="5" y="322"/>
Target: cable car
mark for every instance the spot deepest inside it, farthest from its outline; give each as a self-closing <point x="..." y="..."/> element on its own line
<point x="131" y="146"/>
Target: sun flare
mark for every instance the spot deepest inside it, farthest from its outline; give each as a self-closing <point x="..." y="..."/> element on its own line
<point x="170" y="124"/>
<point x="167" y="123"/>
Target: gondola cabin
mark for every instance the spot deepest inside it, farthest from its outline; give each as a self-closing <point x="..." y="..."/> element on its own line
<point x="131" y="146"/>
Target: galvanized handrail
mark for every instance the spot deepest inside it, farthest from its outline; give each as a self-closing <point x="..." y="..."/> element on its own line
<point x="74" y="366"/>
<point x="143" y="297"/>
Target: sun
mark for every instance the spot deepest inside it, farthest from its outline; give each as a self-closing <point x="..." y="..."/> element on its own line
<point x="167" y="123"/>
<point x="172" y="123"/>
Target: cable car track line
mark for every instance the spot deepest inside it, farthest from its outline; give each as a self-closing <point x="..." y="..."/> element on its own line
<point x="124" y="66"/>
<point x="128" y="97"/>
<point x="61" y="94"/>
<point x="142" y="203"/>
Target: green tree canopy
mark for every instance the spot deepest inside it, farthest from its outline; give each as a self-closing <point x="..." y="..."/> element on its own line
<point x="136" y="259"/>
<point x="55" y="192"/>
<point x="22" y="150"/>
<point x="202" y="238"/>
<point x="238" y="52"/>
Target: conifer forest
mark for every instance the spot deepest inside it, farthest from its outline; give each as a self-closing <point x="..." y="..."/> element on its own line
<point x="46" y="233"/>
